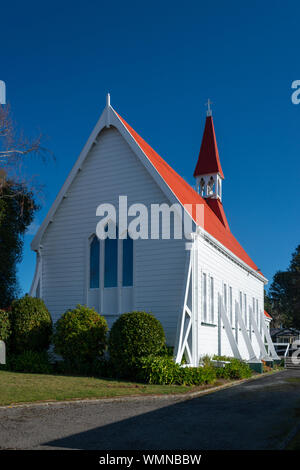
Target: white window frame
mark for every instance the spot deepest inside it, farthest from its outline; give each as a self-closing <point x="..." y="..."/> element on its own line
<point x="245" y="310"/>
<point x="212" y="300"/>
<point x="204" y="297"/>
<point x="230" y="305"/>
<point x="225" y="297"/>
<point x="101" y="288"/>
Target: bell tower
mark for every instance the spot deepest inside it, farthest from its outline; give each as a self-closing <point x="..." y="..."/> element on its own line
<point x="208" y="172"/>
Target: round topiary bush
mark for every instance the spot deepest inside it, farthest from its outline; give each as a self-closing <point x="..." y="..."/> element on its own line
<point x="31" y="325"/>
<point x="132" y="336"/>
<point x="5" y="326"/>
<point x="80" y="335"/>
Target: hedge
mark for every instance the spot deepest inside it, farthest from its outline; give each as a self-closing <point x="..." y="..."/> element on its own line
<point x="162" y="370"/>
<point x="236" y="369"/>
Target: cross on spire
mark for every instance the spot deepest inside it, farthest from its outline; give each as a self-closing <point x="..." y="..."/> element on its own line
<point x="209" y="111"/>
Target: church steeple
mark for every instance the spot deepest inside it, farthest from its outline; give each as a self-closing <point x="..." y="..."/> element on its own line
<point x="208" y="171"/>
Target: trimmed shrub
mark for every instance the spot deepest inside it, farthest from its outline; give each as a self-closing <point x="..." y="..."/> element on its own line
<point x="80" y="336"/>
<point x="31" y="325"/>
<point x="33" y="362"/>
<point x="236" y="369"/>
<point x="5" y="325"/>
<point x="162" y="370"/>
<point x="199" y="375"/>
<point x="132" y="336"/>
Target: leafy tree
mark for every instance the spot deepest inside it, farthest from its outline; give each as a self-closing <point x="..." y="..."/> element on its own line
<point x="285" y="294"/>
<point x="5" y="325"/>
<point x="268" y="302"/>
<point x="17" y="209"/>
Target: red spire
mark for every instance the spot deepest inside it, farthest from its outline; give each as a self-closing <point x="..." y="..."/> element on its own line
<point x="208" y="160"/>
<point x="217" y="206"/>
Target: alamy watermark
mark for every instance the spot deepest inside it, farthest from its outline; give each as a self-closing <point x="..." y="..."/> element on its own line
<point x="157" y="221"/>
<point x="2" y="92"/>
<point x="295" y="97"/>
<point x="296" y="353"/>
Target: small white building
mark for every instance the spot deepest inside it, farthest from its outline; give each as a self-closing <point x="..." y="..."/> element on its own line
<point x="207" y="292"/>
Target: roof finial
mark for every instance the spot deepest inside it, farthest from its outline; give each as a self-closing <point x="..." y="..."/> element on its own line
<point x="108" y="99"/>
<point x="209" y="111"/>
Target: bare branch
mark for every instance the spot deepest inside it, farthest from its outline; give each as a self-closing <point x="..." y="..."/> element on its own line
<point x="15" y="152"/>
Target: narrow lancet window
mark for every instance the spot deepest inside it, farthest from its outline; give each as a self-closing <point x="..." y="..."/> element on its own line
<point x="127" y="262"/>
<point x="94" y="263"/>
<point x="111" y="262"/>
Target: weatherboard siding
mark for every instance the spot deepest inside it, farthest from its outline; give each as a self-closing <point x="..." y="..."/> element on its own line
<point x="111" y="169"/>
<point x="224" y="270"/>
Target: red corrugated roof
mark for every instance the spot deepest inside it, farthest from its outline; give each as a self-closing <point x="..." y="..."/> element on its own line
<point x="267" y="315"/>
<point x="208" y="160"/>
<point x="217" y="206"/>
<point x="187" y="195"/>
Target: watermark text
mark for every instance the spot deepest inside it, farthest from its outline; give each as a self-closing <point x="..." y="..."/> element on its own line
<point x="2" y="92"/>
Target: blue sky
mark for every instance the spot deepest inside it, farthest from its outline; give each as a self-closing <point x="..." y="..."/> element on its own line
<point x="161" y="61"/>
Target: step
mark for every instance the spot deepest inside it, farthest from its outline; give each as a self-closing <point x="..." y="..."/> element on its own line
<point x="289" y="364"/>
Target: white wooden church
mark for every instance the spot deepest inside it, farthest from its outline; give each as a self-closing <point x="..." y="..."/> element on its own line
<point x="208" y="294"/>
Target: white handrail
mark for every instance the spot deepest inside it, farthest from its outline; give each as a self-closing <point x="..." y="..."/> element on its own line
<point x="271" y="348"/>
<point x="287" y="350"/>
<point x="284" y="344"/>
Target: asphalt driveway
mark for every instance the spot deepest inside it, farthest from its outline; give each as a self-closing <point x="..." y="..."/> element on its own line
<point x="258" y="414"/>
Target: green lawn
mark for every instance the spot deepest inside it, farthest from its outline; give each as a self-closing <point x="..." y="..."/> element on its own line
<point x="295" y="443"/>
<point x="23" y="388"/>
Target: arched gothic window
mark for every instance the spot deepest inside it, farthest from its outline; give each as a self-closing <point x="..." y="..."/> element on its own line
<point x="202" y="187"/>
<point x="219" y="188"/>
<point x="127" y="275"/>
<point x="111" y="261"/>
<point x="210" y="186"/>
<point x="94" y="263"/>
